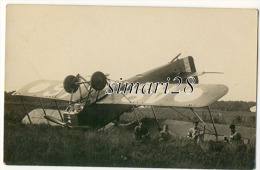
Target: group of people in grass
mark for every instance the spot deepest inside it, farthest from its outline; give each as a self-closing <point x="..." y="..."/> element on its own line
<point x="195" y="134"/>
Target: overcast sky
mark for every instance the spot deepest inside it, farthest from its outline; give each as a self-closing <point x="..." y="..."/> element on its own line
<point x="51" y="42"/>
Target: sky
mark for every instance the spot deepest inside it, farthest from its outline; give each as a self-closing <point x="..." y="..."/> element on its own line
<point x="51" y="42"/>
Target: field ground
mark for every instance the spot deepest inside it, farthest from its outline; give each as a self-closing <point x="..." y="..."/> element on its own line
<point x="115" y="147"/>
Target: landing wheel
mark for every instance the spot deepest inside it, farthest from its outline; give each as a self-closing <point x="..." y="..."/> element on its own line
<point x="70" y="85"/>
<point x="98" y="81"/>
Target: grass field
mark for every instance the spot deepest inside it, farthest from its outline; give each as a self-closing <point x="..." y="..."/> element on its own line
<point x="115" y="147"/>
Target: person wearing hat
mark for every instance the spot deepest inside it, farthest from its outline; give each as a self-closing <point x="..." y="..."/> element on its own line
<point x="195" y="133"/>
<point x="234" y="135"/>
<point x="164" y="135"/>
<point x="141" y="132"/>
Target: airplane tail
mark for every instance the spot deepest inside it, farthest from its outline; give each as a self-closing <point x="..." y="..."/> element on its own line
<point x="187" y="66"/>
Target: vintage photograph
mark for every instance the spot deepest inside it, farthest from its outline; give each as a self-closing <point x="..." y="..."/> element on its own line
<point x="130" y="86"/>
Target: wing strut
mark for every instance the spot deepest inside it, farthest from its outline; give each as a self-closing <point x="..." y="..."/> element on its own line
<point x="42" y="107"/>
<point x="156" y="119"/>
<point x="85" y="81"/>
<point x="80" y="93"/>
<point x="133" y="108"/>
<point x="58" y="110"/>
<point x="87" y="100"/>
<point x="44" y="110"/>
<point x="190" y="119"/>
<point x="71" y="97"/>
<point x="198" y="116"/>
<point x="26" y="110"/>
<point x="97" y="95"/>
<point x="126" y="98"/>
<point x="212" y="120"/>
<point x="140" y="111"/>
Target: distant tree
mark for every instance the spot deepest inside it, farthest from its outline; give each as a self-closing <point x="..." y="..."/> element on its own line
<point x="232" y="105"/>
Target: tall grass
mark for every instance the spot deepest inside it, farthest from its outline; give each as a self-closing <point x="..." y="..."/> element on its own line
<point x="45" y="145"/>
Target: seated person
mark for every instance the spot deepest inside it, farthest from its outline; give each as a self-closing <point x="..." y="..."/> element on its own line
<point x="164" y="135"/>
<point x="141" y="132"/>
<point x="234" y="135"/>
<point x="195" y="134"/>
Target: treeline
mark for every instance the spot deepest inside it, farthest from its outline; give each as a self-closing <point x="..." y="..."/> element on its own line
<point x="219" y="105"/>
<point x="232" y="105"/>
<point x="10" y="98"/>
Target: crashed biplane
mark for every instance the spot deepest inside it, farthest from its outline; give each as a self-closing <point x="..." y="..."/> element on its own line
<point x="91" y="103"/>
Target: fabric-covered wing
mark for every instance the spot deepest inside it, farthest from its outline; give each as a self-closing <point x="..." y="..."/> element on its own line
<point x="202" y="95"/>
<point x="36" y="116"/>
<point x="51" y="89"/>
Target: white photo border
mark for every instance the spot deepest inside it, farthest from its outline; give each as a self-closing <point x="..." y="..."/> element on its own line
<point x="251" y="4"/>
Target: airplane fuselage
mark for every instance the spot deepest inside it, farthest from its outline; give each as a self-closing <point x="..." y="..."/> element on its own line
<point x="98" y="115"/>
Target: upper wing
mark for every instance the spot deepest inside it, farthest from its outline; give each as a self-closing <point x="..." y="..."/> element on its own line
<point x="202" y="95"/>
<point x="51" y="89"/>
